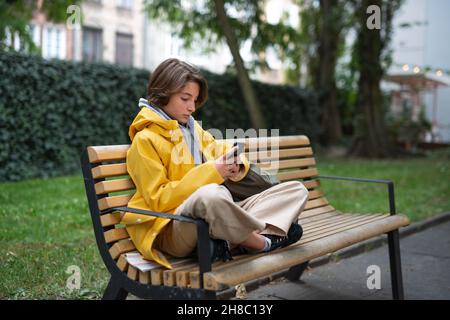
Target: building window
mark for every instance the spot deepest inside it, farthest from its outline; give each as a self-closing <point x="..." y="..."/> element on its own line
<point x="54" y="42"/>
<point x="124" y="49"/>
<point x="35" y="34"/>
<point x="12" y="40"/>
<point x="92" y="44"/>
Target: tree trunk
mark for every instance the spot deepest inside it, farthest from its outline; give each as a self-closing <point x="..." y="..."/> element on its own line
<point x="253" y="106"/>
<point x="371" y="138"/>
<point x="325" y="84"/>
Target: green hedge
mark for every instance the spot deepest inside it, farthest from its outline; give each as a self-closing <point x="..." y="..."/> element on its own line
<point x="291" y="110"/>
<point x="51" y="110"/>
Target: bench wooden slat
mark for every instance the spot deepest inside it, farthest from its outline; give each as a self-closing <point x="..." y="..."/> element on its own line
<point x="122" y="263"/>
<point x="264" y="142"/>
<point x="109" y="170"/>
<point x="107" y="153"/>
<point x="317" y="217"/>
<point x="290" y="256"/>
<point x="113" y="186"/>
<point x="316" y="203"/>
<point x="114" y="201"/>
<point x="116" y="235"/>
<point x="287" y="164"/>
<point x="156" y="276"/>
<point x="316" y="211"/>
<point x="314" y="194"/>
<point x="110" y="219"/>
<point x="144" y="277"/>
<point x="278" y="154"/>
<point x="297" y="174"/>
<point x="132" y="273"/>
<point x="311" y="184"/>
<point x="194" y="281"/>
<point x="120" y="247"/>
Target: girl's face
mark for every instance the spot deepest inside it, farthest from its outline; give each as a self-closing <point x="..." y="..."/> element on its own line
<point x="182" y="103"/>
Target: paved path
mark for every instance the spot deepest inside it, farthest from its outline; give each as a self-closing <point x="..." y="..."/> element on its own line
<point x="425" y="264"/>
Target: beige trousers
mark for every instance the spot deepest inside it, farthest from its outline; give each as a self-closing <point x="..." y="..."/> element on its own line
<point x="269" y="212"/>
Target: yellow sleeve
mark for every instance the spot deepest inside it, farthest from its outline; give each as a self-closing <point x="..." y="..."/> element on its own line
<point x="150" y="177"/>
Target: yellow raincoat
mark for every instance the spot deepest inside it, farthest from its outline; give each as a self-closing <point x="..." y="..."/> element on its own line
<point x="163" y="170"/>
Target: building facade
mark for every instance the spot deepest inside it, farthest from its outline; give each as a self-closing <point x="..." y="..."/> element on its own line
<point x="120" y="32"/>
<point x="109" y="31"/>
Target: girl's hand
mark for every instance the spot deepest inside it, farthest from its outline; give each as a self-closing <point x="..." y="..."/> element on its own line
<point x="226" y="166"/>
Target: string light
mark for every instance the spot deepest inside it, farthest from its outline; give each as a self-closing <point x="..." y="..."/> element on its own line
<point x="416" y="69"/>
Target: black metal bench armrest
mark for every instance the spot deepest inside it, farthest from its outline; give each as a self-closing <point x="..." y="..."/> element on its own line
<point x="357" y="179"/>
<point x="203" y="249"/>
<point x="389" y="183"/>
<point x="153" y="213"/>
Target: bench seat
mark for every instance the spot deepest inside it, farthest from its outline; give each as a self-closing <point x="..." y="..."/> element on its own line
<point x="323" y="234"/>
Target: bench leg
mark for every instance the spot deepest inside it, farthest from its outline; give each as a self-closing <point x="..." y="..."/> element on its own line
<point x="396" y="265"/>
<point x="295" y="272"/>
<point x="114" y="291"/>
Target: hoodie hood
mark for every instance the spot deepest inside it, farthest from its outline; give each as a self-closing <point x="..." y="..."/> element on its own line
<point x="151" y="116"/>
<point x="147" y="117"/>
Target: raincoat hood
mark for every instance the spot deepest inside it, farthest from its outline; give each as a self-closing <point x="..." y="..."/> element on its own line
<point x="146" y="118"/>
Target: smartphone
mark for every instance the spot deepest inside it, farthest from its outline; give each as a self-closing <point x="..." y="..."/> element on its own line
<point x="237" y="152"/>
<point x="240" y="149"/>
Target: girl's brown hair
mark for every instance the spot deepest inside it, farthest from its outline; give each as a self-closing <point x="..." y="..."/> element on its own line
<point x="170" y="77"/>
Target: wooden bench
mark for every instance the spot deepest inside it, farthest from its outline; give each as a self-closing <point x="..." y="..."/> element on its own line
<point x="326" y="230"/>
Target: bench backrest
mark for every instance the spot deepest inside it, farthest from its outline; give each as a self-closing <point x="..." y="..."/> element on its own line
<point x="108" y="185"/>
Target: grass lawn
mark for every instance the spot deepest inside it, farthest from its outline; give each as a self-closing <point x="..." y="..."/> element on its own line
<point x="422" y="185"/>
<point x="45" y="224"/>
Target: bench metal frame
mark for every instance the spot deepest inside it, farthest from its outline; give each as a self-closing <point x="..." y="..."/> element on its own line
<point x="120" y="285"/>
